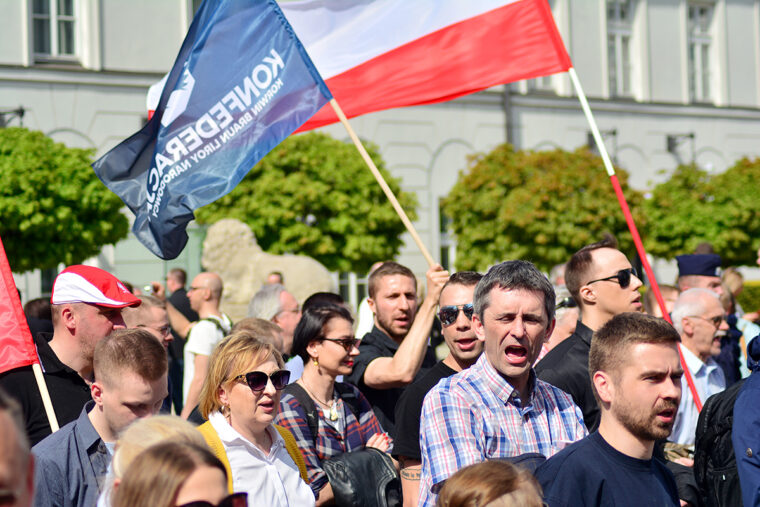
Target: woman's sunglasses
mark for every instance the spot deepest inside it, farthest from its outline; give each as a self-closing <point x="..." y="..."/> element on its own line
<point x="346" y="343"/>
<point x="257" y="380"/>
<point x="449" y="314"/>
<point x="233" y="500"/>
<point x="623" y="277"/>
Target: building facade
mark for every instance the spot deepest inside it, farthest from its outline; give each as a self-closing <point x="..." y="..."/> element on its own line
<point x="669" y="81"/>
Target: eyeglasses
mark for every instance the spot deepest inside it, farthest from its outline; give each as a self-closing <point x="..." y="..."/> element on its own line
<point x="233" y="500"/>
<point x="449" y="314"/>
<point x="715" y="321"/>
<point x="257" y="380"/>
<point x="346" y="343"/>
<point x="163" y="330"/>
<point x="568" y="302"/>
<point x="623" y="277"/>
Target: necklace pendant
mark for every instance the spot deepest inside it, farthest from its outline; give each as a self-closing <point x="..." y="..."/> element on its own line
<point x="333" y="413"/>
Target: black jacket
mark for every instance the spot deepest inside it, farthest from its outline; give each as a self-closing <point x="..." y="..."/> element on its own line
<point x="566" y="367"/>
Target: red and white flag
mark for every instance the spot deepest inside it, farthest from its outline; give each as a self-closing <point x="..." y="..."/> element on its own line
<point x="16" y="345"/>
<point x="395" y="53"/>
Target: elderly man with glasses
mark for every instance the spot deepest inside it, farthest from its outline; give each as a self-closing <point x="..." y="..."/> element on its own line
<point x="699" y="318"/>
<point x="603" y="283"/>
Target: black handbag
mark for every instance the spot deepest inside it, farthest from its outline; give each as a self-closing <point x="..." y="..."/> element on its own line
<point x="364" y="478"/>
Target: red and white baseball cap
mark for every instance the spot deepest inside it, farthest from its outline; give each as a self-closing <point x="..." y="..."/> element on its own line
<point x="88" y="284"/>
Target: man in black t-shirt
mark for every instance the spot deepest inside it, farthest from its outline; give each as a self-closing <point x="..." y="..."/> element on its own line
<point x="636" y="378"/>
<point x="396" y="351"/>
<point x="176" y="279"/>
<point x="455" y="314"/>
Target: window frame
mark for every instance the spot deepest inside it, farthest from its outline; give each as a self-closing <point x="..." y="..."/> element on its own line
<point x="700" y="58"/>
<point x="54" y="20"/>
<point x="620" y="34"/>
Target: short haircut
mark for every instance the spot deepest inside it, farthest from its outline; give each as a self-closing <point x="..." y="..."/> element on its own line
<point x="322" y="299"/>
<point x="610" y="344"/>
<point x="149" y="431"/>
<point x="134" y="350"/>
<point x="265" y="304"/>
<point x="312" y="324"/>
<point x="387" y="269"/>
<point x="466" y="278"/>
<point x="157" y="474"/>
<point x="137" y="315"/>
<point x="265" y="330"/>
<point x="179" y="275"/>
<point x="579" y="265"/>
<point x="39" y="308"/>
<point x="234" y="355"/>
<point x="480" y="484"/>
<point x="277" y="274"/>
<point x="514" y="275"/>
<point x="689" y="303"/>
<point x="650" y="302"/>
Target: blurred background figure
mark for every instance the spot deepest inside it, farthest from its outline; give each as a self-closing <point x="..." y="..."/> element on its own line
<point x="39" y="315"/>
<point x="566" y="314"/>
<point x="669" y="295"/>
<point x="16" y="462"/>
<point x="275" y="278"/>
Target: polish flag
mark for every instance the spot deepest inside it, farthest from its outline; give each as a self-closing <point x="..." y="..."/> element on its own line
<point x="16" y="345"/>
<point x="395" y="53"/>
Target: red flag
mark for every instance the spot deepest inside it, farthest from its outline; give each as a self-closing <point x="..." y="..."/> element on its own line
<point x="16" y="345"/>
<point x="395" y="53"/>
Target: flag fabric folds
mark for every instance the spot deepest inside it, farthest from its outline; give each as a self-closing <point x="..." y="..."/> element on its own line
<point x="16" y="345"/>
<point x="242" y="83"/>
<point x="393" y="53"/>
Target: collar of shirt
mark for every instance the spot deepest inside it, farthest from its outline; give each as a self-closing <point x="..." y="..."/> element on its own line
<point x="49" y="362"/>
<point x="584" y="332"/>
<point x="503" y="389"/>
<point x="378" y="337"/>
<point x="695" y="364"/>
<point x="86" y="433"/>
<point x="230" y="437"/>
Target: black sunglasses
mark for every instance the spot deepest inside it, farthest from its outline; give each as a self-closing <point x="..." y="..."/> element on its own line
<point x="449" y="314"/>
<point x="233" y="500"/>
<point x="623" y="277"/>
<point x="346" y="343"/>
<point x="257" y="380"/>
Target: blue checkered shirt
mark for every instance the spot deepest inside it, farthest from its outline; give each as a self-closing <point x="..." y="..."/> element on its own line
<point x="477" y="415"/>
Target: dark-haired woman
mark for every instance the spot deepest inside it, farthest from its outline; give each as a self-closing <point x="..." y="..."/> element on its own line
<point x="324" y="339"/>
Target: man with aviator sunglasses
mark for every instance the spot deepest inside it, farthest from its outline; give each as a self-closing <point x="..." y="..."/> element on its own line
<point x="602" y="281"/>
<point x="455" y="314"/>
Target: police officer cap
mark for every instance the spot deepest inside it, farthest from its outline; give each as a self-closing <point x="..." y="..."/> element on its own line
<point x="699" y="264"/>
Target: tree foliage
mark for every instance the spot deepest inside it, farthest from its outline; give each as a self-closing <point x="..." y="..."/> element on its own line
<point x="694" y="206"/>
<point x="538" y="206"/>
<point x="314" y="195"/>
<point x="54" y="209"/>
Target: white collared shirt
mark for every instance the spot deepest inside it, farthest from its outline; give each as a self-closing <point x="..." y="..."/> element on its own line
<point x="708" y="379"/>
<point x="271" y="480"/>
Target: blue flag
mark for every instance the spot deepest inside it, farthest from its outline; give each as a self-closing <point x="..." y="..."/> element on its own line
<point x="242" y="83"/>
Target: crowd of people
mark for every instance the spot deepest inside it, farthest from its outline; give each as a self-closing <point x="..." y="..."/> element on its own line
<point x="502" y="388"/>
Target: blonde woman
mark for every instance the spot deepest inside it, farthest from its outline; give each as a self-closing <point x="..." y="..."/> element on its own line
<point x="240" y="398"/>
<point x="174" y="474"/>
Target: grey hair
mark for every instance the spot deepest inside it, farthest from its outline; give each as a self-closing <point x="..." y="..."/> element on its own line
<point x="513" y="275"/>
<point x="265" y="304"/>
<point x="690" y="303"/>
<point x="561" y="293"/>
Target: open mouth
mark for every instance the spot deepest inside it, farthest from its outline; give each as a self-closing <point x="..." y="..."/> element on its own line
<point x="516" y="354"/>
<point x="466" y="344"/>
<point x="266" y="406"/>
<point x="667" y="415"/>
<point x="349" y="363"/>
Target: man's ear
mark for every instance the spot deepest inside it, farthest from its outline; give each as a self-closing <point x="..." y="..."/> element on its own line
<point x="96" y="391"/>
<point x="687" y="326"/>
<point x="477" y="326"/>
<point x="587" y="294"/>
<point x="371" y="303"/>
<point x="604" y="386"/>
<point x="550" y="329"/>
<point x="69" y="317"/>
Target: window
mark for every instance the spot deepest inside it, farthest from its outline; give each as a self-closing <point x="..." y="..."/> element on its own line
<point x="54" y="29"/>
<point x="352" y="288"/>
<point x="700" y="39"/>
<point x="543" y="84"/>
<point x="619" y="29"/>
<point x="448" y="246"/>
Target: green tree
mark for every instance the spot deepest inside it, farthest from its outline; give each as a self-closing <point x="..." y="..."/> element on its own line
<point x="53" y="207"/>
<point x="539" y="206"/>
<point x="693" y="206"/>
<point x="313" y="195"/>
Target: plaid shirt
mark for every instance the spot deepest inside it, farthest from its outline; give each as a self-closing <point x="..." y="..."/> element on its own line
<point x="476" y="415"/>
<point x="329" y="442"/>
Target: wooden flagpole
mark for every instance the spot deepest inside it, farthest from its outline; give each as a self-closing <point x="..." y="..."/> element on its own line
<point x="629" y="220"/>
<point x="383" y="184"/>
<point x="46" y="401"/>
